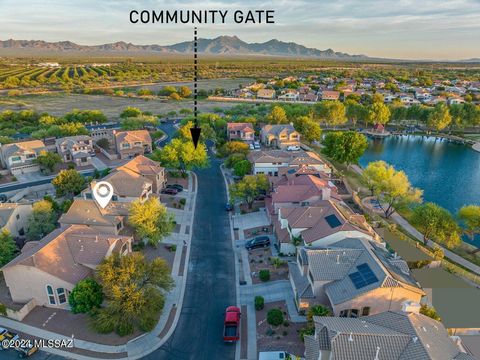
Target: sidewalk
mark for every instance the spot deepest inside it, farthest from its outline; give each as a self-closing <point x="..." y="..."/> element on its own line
<point x="146" y="343"/>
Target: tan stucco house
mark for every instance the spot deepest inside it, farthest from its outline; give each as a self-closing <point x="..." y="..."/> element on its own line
<point x="354" y="277"/>
<point x="279" y="136"/>
<point x="20" y="157"/>
<point x="149" y="169"/>
<point x="129" y="144"/>
<point x="48" y="270"/>
<point x="110" y="220"/>
<point x="13" y="218"/>
<point x="394" y="335"/>
<point x="76" y="149"/>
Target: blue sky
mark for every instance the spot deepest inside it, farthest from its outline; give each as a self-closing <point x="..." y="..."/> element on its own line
<point x="407" y="29"/>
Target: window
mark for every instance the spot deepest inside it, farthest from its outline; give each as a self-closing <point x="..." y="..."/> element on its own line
<point x="119" y="225"/>
<point x="114" y="197"/>
<point x="31" y="156"/>
<point x="51" y="296"/>
<point x="137" y="143"/>
<point x="343" y="313"/>
<point x="125" y="146"/>
<point x="18" y="216"/>
<point x="88" y="196"/>
<point x="62" y="297"/>
<point x="366" y="311"/>
<point x="354" y="313"/>
<point x="15" y="159"/>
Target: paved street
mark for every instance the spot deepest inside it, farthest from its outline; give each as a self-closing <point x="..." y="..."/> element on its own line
<point x="13" y="355"/>
<point x="211" y="278"/>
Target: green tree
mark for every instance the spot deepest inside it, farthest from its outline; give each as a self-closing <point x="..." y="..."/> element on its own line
<point x="48" y="160"/>
<point x="134" y="292"/>
<point x="317" y="310"/>
<point x="439" y="118"/>
<point x="181" y="154"/>
<point x="233" y="147"/>
<point x="249" y="188"/>
<point x="130" y="112"/>
<point x="430" y="312"/>
<point x="275" y="317"/>
<point x="331" y="112"/>
<point x="41" y="221"/>
<point x="104" y="143"/>
<point x="373" y="175"/>
<point x="167" y="91"/>
<point x="277" y="115"/>
<point x="85" y="296"/>
<point x="308" y="128"/>
<point x="470" y="218"/>
<point x="393" y="188"/>
<point x="378" y="113"/>
<point x="355" y="112"/>
<point x="242" y="168"/>
<point x="8" y="248"/>
<point x="436" y="223"/>
<point x="69" y="183"/>
<point x="345" y="147"/>
<point x="151" y="220"/>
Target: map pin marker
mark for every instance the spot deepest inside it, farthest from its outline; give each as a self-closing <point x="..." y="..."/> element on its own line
<point x="103" y="192"/>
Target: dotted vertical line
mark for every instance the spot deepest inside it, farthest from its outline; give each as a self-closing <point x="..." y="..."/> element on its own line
<point x="195" y="75"/>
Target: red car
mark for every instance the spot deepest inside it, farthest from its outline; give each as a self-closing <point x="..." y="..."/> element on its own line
<point x="231" y="327"/>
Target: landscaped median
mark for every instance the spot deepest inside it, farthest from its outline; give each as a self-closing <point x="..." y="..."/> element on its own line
<point x="49" y="323"/>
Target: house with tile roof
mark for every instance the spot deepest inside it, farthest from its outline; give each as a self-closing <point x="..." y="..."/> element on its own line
<point x="76" y="149"/>
<point x="267" y="94"/>
<point x="394" y="335"/>
<point x="48" y="270"/>
<point x="108" y="220"/>
<point x="20" y="157"/>
<point x="322" y="224"/>
<point x="148" y="169"/>
<point x="330" y="95"/>
<point x="240" y="131"/>
<point x="354" y="277"/>
<point x="271" y="162"/>
<point x="279" y="136"/>
<point x="129" y="144"/>
<point x="13" y="218"/>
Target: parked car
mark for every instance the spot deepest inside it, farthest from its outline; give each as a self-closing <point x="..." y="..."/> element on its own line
<point x="3" y="198"/>
<point x="6" y="335"/>
<point x="228" y="207"/>
<point x="258" y="242"/>
<point x="256" y="145"/>
<point x="252" y="147"/>
<point x="170" y="191"/>
<point x="293" y="148"/>
<point x="26" y="351"/>
<point x="231" y="324"/>
<point x="177" y="187"/>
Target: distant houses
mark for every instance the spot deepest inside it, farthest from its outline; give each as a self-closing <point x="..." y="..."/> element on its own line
<point x="14" y="217"/>
<point x="76" y="149"/>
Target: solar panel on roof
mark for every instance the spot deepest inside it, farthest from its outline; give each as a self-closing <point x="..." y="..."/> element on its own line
<point x="291" y="171"/>
<point x="363" y="277"/>
<point x="333" y="221"/>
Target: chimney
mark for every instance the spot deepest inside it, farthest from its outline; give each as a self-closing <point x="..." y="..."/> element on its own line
<point x="376" y="354"/>
<point x="411" y="307"/>
<point x="326" y="193"/>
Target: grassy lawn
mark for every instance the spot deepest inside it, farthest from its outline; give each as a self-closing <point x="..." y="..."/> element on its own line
<point x="475" y="137"/>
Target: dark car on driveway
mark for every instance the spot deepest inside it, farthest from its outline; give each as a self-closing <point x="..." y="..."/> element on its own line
<point x="170" y="191"/>
<point x="258" y="242"/>
<point x="177" y="187"/>
<point x="228" y="207"/>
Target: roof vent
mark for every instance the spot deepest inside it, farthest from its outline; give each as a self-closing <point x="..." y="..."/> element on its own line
<point x="81" y="247"/>
<point x="338" y="259"/>
<point x="377" y="352"/>
<point x="350" y="338"/>
<point x="415" y="339"/>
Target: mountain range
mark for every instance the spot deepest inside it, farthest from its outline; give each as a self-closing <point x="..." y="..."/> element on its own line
<point x="222" y="45"/>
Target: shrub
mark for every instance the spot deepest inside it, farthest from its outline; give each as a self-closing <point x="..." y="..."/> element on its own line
<point x="183" y="201"/>
<point x="3" y="310"/>
<point x="286" y="323"/>
<point x="270" y="332"/>
<point x="259" y="303"/>
<point x="264" y="275"/>
<point x="85" y="296"/>
<point x="275" y="317"/>
<point x="285" y="333"/>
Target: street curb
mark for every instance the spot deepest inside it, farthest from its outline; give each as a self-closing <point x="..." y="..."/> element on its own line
<point x="123" y="348"/>
<point x="235" y="257"/>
